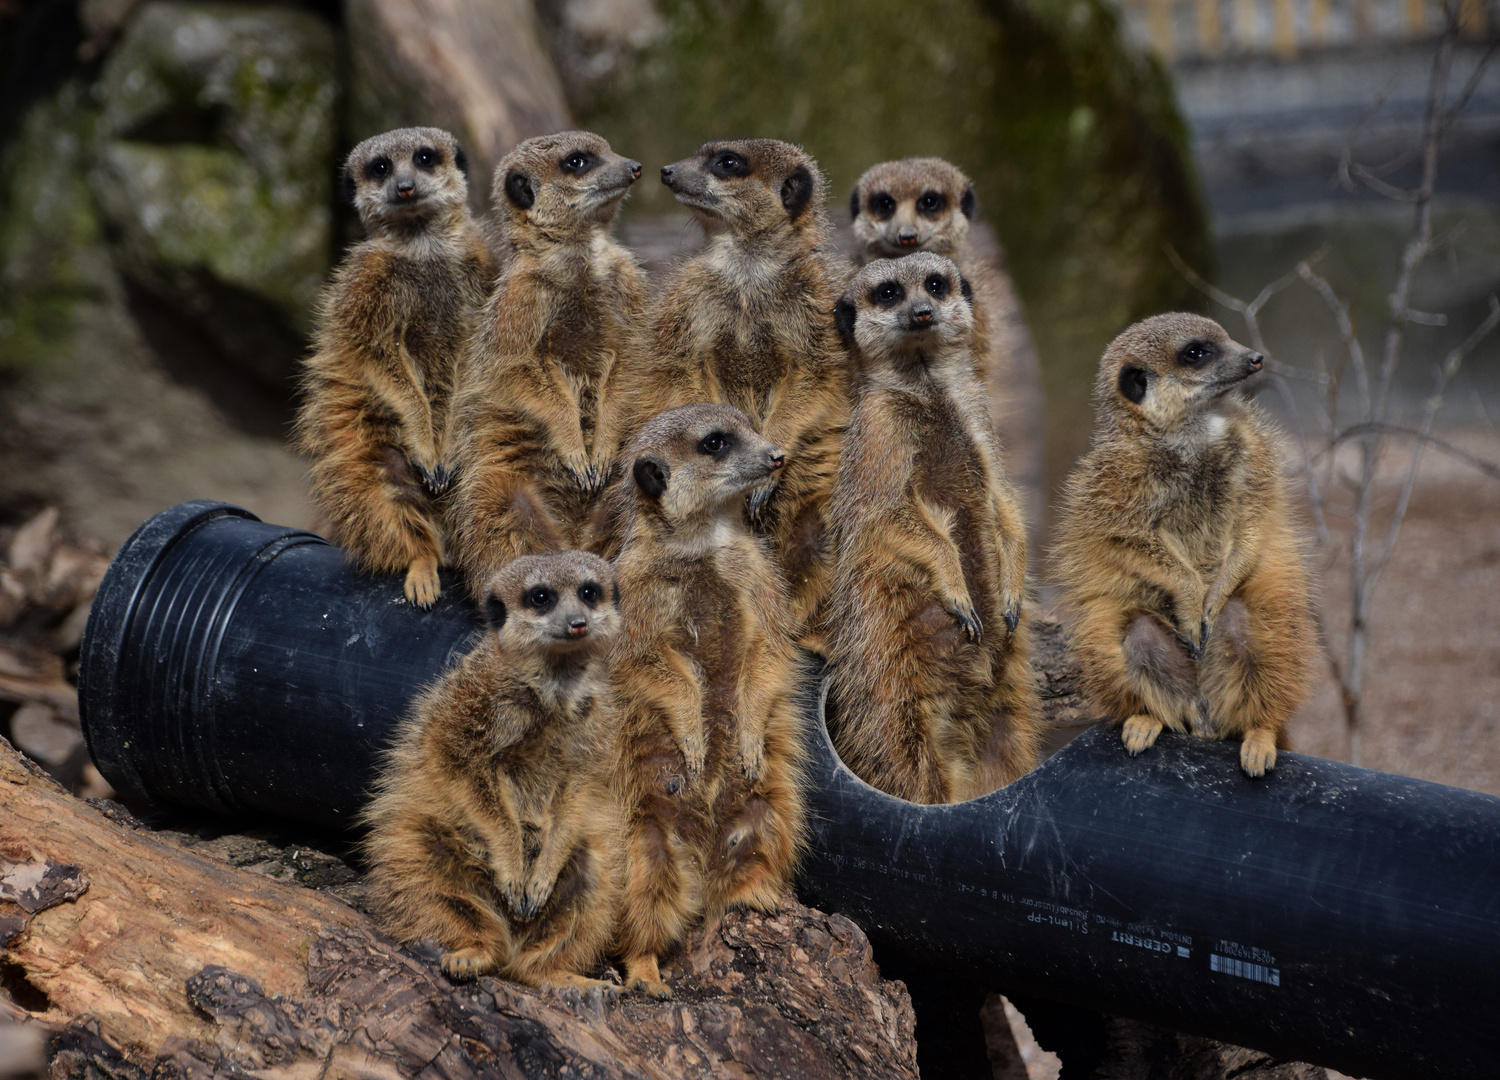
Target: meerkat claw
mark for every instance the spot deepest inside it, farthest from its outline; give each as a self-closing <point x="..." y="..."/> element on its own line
<point x="967" y="618"/>
<point x="437" y="479"/>
<point x="1012" y="618"/>
<point x="422" y="586"/>
<point x="465" y="964"/>
<point x="1258" y="753"/>
<point x="1139" y="733"/>
<point x="760" y="496"/>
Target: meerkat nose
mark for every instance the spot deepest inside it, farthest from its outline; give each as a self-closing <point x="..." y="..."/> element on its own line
<point x="666" y="174"/>
<point x="635" y="170"/>
<point x="578" y="627"/>
<point x="778" y="459"/>
<point x="921" y="315"/>
<point x="906" y="237"/>
<point x="405" y="187"/>
<point x="1256" y="360"/>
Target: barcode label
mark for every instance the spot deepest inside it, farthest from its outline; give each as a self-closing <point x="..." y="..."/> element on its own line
<point x="1228" y="965"/>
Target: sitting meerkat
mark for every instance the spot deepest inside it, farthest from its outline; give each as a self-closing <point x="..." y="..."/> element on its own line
<point x="536" y="409"/>
<point x="493" y="829"/>
<point x="377" y="388"/>
<point x="748" y="322"/>
<point x="1177" y="552"/>
<point x="709" y="755"/>
<point x="928" y="204"/>
<point x="927" y="636"/>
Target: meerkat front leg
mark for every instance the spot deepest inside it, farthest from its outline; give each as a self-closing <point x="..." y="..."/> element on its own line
<point x="930" y="548"/>
<point x="754" y="694"/>
<point x="559" y="838"/>
<point x="1012" y="571"/>
<point x="422" y="586"/>
<point x="401" y="391"/>
<point x="672" y="686"/>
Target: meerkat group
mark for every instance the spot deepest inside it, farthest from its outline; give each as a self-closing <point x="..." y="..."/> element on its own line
<point x="664" y="498"/>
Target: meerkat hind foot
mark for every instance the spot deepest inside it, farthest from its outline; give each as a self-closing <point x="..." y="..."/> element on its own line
<point x="1139" y="733"/>
<point x="642" y="973"/>
<point x="1258" y="752"/>
<point x="422" y="586"/>
<point x="467" y="963"/>
<point x="581" y="983"/>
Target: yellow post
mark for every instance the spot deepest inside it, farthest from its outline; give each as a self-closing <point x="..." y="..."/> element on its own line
<point x="1211" y="29"/>
<point x="1416" y="19"/>
<point x="1284" y="31"/>
<point x="1317" y="20"/>
<point x="1244" y="24"/>
<point x="1159" y="13"/>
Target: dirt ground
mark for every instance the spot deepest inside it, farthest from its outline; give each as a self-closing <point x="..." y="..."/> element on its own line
<point x="1433" y="672"/>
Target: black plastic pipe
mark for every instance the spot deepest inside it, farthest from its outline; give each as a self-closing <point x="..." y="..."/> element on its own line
<point x="1325" y="913"/>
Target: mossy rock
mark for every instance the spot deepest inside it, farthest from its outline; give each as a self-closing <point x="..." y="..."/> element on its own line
<point x="1073" y="140"/>
<point x="52" y="256"/>
<point x="213" y="169"/>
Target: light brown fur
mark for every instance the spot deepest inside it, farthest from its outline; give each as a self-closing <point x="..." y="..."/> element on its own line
<point x="928" y="639"/>
<point x="537" y="406"/>
<point x="1177" y="552"/>
<point x="493" y="829"/>
<point x="376" y="390"/>
<point x="748" y="322"/>
<point x="709" y="771"/>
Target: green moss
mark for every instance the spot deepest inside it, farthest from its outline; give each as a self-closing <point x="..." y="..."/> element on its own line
<point x="51" y="254"/>
<point x="1073" y="141"/>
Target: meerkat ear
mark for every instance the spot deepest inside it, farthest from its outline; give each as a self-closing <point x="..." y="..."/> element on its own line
<point x="967" y="289"/>
<point x="1133" y="383"/>
<point x="518" y="189"/>
<point x="651" y="475"/>
<point x="461" y="159"/>
<point x="494" y="612"/>
<point x="854" y="203"/>
<point x="843" y="318"/>
<point x="796" y="191"/>
<point x="966" y="201"/>
<point x="347" y="182"/>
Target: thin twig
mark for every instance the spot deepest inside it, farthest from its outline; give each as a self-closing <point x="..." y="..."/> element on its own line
<point x="1489" y="468"/>
<point x="1352" y="348"/>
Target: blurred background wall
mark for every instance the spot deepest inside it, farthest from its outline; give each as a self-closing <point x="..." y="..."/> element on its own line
<point x="168" y="208"/>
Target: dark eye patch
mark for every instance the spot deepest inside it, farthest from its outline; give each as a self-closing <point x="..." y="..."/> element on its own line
<point x="378" y="168"/>
<point x="932" y="203"/>
<point x="427" y="159"/>
<point x="727" y="163"/>
<point x="882" y="205"/>
<point x="590" y="593"/>
<point x="1196" y="353"/>
<point x="540" y="598"/>
<point x="716" y="444"/>
<point x="579" y="162"/>
<point x="888" y="294"/>
<point x="938" y="286"/>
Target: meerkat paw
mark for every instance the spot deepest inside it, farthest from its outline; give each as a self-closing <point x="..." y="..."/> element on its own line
<point x="1258" y="752"/>
<point x="533" y="897"/>
<point x="436" y="479"/>
<point x="967" y="618"/>
<point x="760" y="497"/>
<point x="641" y="973"/>
<point x="584" y="985"/>
<point x="1012" y="617"/>
<point x="1139" y="733"/>
<point x="466" y="963"/>
<point x="694" y="749"/>
<point x="583" y="472"/>
<point x="752" y="755"/>
<point x="1194" y="640"/>
<point x="422" y="585"/>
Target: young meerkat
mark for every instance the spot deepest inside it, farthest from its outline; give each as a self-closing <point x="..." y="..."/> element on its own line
<point x="536" y="409"/>
<point x="928" y="204"/>
<point x="377" y="389"/>
<point x="748" y="322"/>
<point x="1177" y="552"/>
<point x="709" y="773"/>
<point x="927" y="631"/>
<point x="493" y="829"/>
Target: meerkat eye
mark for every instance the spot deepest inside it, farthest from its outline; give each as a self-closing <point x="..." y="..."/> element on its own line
<point x="937" y="285"/>
<point x="378" y="169"/>
<point x="716" y="444"/>
<point x="932" y="203"/>
<point x="1195" y="353"/>
<point x="728" y="163"/>
<point x="888" y="294"/>
<point x="590" y="593"/>
<point x="882" y="206"/>
<point x="540" y="598"/>
<point x="578" y="162"/>
<point x="426" y="158"/>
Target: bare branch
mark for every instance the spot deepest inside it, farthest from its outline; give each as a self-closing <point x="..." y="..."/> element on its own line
<point x="1352" y="348"/>
<point x="1356" y="431"/>
<point x="1470" y="86"/>
<point x="1425" y="318"/>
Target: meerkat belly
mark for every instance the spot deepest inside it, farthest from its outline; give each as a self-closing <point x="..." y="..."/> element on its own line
<point x="716" y="627"/>
<point x="749" y="366"/>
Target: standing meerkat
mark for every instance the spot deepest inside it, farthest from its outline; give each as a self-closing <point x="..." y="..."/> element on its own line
<point x="492" y="829"/>
<point x="1177" y="553"/>
<point x="748" y="322"/>
<point x="928" y="204"/>
<point x="927" y="632"/>
<point x="537" y="413"/>
<point x="709" y="772"/>
<point x="376" y="390"/>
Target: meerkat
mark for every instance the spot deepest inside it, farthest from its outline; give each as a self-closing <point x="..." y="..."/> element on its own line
<point x="709" y="773"/>
<point x="931" y="685"/>
<point x="1177" y="552"/>
<point x="377" y="388"/>
<point x="928" y="204"/>
<point x="748" y="322"/>
<point x="536" y="413"/>
<point x="493" y="829"/>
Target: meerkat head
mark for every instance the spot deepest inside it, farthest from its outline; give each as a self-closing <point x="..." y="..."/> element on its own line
<point x="915" y="204"/>
<point x="561" y="185"/>
<point x="906" y="313"/>
<point x="696" y="464"/>
<point x="751" y="186"/>
<point x="1169" y="368"/>
<point x="407" y="179"/>
<point x="566" y="603"/>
